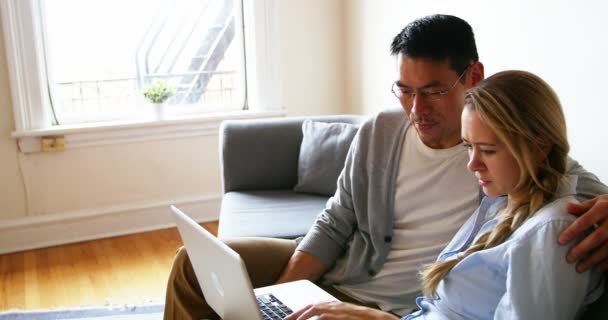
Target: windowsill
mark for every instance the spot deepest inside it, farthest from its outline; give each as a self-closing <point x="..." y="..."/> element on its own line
<point x="106" y="133"/>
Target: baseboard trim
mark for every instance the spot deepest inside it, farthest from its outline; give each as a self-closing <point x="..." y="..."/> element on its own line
<point x="62" y="228"/>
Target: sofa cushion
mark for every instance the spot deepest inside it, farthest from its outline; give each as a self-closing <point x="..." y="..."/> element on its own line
<point x="322" y="155"/>
<point x="268" y="213"/>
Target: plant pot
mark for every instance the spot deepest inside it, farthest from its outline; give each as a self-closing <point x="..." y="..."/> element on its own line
<point x="159" y="110"/>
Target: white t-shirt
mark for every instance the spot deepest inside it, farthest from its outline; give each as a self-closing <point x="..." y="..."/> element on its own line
<point x="434" y="196"/>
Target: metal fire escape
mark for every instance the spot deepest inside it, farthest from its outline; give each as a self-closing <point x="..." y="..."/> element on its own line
<point x="184" y="46"/>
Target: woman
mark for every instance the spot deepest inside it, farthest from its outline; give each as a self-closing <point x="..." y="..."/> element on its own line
<point x="505" y="262"/>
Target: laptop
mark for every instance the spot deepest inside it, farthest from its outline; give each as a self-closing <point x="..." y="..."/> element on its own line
<point x="222" y="275"/>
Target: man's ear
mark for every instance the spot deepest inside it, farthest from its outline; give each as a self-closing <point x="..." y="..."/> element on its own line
<point x="477" y="73"/>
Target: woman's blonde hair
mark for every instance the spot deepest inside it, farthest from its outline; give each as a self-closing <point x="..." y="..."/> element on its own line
<point x="526" y="116"/>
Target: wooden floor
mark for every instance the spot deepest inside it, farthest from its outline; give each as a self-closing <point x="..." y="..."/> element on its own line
<point x="129" y="269"/>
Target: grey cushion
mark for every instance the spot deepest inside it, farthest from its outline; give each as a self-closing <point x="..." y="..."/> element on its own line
<point x="268" y="213"/>
<point x="322" y="154"/>
<point x="262" y="154"/>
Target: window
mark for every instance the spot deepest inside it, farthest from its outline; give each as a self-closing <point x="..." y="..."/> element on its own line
<point x="77" y="61"/>
<point x="101" y="54"/>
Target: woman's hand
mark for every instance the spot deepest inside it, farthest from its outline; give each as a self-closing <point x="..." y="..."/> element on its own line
<point x="339" y="310"/>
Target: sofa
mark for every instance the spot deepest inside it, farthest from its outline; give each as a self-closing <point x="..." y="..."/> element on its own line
<point x="266" y="189"/>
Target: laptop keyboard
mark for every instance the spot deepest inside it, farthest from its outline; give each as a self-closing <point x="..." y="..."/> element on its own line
<point x="272" y="308"/>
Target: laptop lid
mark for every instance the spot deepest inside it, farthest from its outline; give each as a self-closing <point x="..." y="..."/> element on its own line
<point x="220" y="271"/>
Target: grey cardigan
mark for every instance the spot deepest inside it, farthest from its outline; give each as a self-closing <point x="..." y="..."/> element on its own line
<point x="352" y="236"/>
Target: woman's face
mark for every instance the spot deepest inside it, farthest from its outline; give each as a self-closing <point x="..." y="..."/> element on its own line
<point x="495" y="168"/>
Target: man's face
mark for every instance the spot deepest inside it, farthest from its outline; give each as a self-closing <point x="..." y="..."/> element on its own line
<point x="436" y="121"/>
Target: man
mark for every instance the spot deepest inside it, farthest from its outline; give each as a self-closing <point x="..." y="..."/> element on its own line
<point x="402" y="195"/>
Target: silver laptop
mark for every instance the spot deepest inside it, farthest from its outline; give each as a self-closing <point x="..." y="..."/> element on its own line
<point x="226" y="285"/>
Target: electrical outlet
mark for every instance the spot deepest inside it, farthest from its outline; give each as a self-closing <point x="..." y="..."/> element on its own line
<point x="52" y="144"/>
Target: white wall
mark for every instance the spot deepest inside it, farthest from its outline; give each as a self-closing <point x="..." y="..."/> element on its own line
<point x="561" y="41"/>
<point x="312" y="57"/>
<point x="139" y="177"/>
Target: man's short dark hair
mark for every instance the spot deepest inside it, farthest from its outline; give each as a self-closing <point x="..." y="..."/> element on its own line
<point x="438" y="37"/>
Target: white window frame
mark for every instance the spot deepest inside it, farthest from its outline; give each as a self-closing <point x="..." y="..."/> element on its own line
<point x="29" y="88"/>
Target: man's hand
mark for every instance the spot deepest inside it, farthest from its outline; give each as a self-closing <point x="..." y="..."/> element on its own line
<point x="593" y="250"/>
<point x="338" y="310"/>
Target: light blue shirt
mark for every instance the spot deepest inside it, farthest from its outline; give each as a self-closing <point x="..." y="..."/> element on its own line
<point x="526" y="277"/>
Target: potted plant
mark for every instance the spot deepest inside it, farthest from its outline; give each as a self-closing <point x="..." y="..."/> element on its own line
<point x="158" y="93"/>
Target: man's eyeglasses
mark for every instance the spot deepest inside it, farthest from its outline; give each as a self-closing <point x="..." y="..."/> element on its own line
<point x="407" y="95"/>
